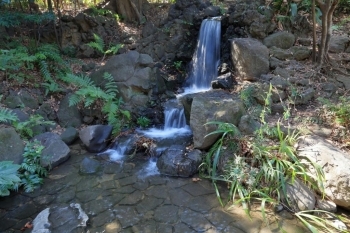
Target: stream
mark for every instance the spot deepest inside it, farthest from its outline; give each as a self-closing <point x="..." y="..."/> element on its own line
<point x="132" y="197"/>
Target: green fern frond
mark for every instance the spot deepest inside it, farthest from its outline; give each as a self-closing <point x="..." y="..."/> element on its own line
<point x="7" y="115"/>
<point x="111" y="85"/>
<point x="78" y="80"/>
<point x="74" y="99"/>
<point x="44" y="69"/>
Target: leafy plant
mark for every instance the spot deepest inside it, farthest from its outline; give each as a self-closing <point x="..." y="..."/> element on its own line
<point x="45" y="57"/>
<point x="25" y="128"/>
<point x="31" y="171"/>
<point x="88" y="94"/>
<point x="178" y="65"/>
<point x="260" y="168"/>
<point x="338" y="112"/>
<point x="9" y="177"/>
<point x="99" y="45"/>
<point x="143" y="121"/>
<point x="7" y="115"/>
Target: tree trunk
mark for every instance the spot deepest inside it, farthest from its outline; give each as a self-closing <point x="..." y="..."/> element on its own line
<point x="129" y="10"/>
<point x="327" y="8"/>
<point x="313" y="32"/>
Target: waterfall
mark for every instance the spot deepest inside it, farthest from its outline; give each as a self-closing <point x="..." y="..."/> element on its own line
<point x="206" y="58"/>
<point x="205" y="62"/>
<point x="174" y="118"/>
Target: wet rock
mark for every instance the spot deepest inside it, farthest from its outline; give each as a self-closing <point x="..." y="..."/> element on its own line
<point x="244" y="53"/>
<point x="55" y="151"/>
<point x="95" y="137"/>
<point x="335" y="164"/>
<point x="282" y="39"/>
<point x="224" y="81"/>
<point x="11" y="145"/>
<point x="89" y="166"/>
<point x="174" y="161"/>
<point x="63" y="218"/>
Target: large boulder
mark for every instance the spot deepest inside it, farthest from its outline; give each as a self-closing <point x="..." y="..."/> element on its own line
<point x="210" y="106"/>
<point x="250" y="58"/>
<point x="55" y="151"/>
<point x="95" y="137"/>
<point x="11" y="145"/>
<point x="335" y="164"/>
<point x="134" y="74"/>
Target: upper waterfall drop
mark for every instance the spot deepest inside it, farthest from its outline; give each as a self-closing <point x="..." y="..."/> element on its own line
<point x="206" y="58"/>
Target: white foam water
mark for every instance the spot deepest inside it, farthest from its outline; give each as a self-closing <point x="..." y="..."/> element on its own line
<point x="149" y="169"/>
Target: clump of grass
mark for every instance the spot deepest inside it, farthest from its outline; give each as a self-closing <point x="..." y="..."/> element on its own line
<point x="260" y="167"/>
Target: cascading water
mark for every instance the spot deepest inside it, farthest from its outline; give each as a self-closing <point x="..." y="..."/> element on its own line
<point x="205" y="62"/>
<point x="174" y="122"/>
<point x="206" y="58"/>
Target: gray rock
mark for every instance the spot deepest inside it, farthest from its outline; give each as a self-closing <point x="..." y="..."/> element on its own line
<point x="174" y="161"/>
<point x="344" y="80"/>
<point x="89" y="166"/>
<point x="305" y="96"/>
<point x="134" y="75"/>
<point x="63" y="218"/>
<point x="338" y="44"/>
<point x="326" y="205"/>
<point x="55" y="151"/>
<point x="301" y="53"/>
<point x="28" y="99"/>
<point x="41" y="222"/>
<point x="13" y="100"/>
<point x="281" y="54"/>
<point x="300" y="196"/>
<point x="11" y="145"/>
<point x="282" y="39"/>
<point x="284" y="73"/>
<point x="69" y="135"/>
<point x="210" y="106"/>
<point x="335" y="164"/>
<point x="68" y="115"/>
<point x="95" y="137"/>
<point x="224" y="81"/>
<point x="250" y="58"/>
<point x="248" y="125"/>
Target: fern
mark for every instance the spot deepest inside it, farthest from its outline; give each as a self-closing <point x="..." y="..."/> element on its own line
<point x="25" y="128"/>
<point x="8" y="177"/>
<point x="89" y="94"/>
<point x="111" y="85"/>
<point x="98" y="44"/>
<point x="78" y="80"/>
<point x="7" y="115"/>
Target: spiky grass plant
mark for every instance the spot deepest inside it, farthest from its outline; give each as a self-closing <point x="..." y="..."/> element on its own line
<point x="260" y="168"/>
